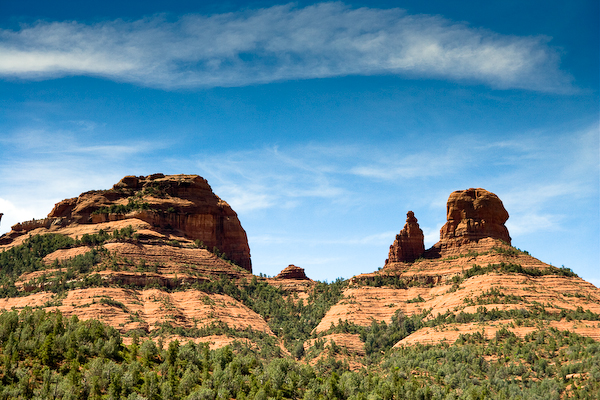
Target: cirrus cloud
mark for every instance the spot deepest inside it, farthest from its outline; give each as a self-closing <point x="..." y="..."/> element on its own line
<point x="280" y="43"/>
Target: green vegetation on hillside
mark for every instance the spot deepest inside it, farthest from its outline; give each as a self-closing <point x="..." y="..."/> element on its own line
<point x="44" y="355"/>
<point x="509" y="268"/>
<point x="292" y="320"/>
<point x="396" y="281"/>
<point x="27" y="258"/>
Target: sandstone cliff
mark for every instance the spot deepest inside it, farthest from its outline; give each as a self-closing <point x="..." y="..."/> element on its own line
<point x="472" y="215"/>
<point x="178" y="205"/>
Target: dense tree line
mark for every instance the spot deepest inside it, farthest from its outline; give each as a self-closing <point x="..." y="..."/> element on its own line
<point x="44" y="355"/>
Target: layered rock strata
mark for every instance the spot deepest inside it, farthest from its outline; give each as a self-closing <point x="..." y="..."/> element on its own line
<point x="183" y="205"/>
<point x="410" y="242"/>
<point x="292" y="272"/>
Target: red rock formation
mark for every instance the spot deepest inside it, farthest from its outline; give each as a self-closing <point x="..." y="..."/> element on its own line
<point x="292" y="272"/>
<point x="179" y="204"/>
<point x="472" y="214"/>
<point x="409" y="244"/>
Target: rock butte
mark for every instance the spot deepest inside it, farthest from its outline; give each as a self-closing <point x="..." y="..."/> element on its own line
<point x="179" y="205"/>
<point x="410" y="242"/>
<point x="292" y="272"/>
<point x="472" y="215"/>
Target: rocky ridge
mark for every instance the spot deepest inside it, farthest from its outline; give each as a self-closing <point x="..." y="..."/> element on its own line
<point x="154" y="237"/>
<point x="472" y="269"/>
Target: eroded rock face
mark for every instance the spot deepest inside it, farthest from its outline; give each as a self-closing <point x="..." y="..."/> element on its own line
<point x="410" y="242"/>
<point x="175" y="204"/>
<point x="292" y="272"/>
<point x="472" y="215"/>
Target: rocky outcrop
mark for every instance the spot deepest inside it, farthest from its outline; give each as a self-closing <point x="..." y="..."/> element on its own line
<point x="472" y="215"/>
<point x="410" y="242"/>
<point x="182" y="205"/>
<point x="27" y="226"/>
<point x="292" y="272"/>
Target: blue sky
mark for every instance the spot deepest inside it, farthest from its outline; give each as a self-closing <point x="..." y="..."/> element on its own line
<point x="322" y="124"/>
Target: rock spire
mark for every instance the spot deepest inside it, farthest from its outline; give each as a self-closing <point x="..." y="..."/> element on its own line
<point x="409" y="244"/>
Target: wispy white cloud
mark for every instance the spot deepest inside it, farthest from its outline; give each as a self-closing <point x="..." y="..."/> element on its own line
<point x="288" y="177"/>
<point x="409" y="166"/>
<point x="522" y="224"/>
<point x="280" y="43"/>
<point x="271" y="177"/>
<point x="66" y="143"/>
<point x="540" y="195"/>
<point x="13" y="214"/>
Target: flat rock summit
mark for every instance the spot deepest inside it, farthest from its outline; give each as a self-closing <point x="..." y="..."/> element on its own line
<point x="157" y="251"/>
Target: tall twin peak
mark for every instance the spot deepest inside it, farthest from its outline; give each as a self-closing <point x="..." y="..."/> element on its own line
<point x="471" y="215"/>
